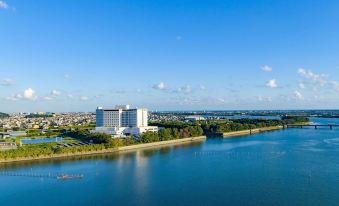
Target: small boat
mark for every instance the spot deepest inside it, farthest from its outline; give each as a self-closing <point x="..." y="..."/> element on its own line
<point x="67" y="177"/>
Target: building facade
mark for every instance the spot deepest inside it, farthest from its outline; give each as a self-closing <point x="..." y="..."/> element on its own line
<point x="122" y="121"/>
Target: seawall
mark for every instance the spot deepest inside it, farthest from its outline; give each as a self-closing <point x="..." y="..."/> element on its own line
<point x="250" y="131"/>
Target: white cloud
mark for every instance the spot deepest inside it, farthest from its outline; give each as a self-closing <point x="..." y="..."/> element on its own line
<point x="185" y="89"/>
<point x="7" y="82"/>
<point x="27" y="94"/>
<point x="316" y="78"/>
<point x="335" y="85"/>
<point x="55" y="93"/>
<point x="70" y="96"/>
<point x="48" y="98"/>
<point x="272" y="83"/>
<point x="160" y="86"/>
<point x="266" y="68"/>
<point x="119" y="91"/>
<point x="264" y="99"/>
<point x="298" y="95"/>
<point x="3" y="5"/>
<point x="301" y="85"/>
<point x="202" y="87"/>
<point x="13" y="98"/>
<point x="221" y="100"/>
<point x="84" y="98"/>
<point x="202" y="100"/>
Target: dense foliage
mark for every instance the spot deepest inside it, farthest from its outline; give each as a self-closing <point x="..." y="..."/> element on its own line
<point x="47" y="149"/>
<point x="294" y="119"/>
<point x="40" y="133"/>
<point x="38" y="115"/>
<point x="171" y="133"/>
<point x="3" y="115"/>
<point x="231" y="125"/>
<point x="86" y="136"/>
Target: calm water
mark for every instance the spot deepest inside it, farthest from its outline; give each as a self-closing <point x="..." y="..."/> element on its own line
<point x="287" y="167"/>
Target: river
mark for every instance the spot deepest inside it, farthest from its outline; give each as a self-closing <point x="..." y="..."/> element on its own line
<point x="285" y="167"/>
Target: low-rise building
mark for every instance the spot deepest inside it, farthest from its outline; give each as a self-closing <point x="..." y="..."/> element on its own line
<point x="194" y="118"/>
<point x="4" y="135"/>
<point x="8" y="145"/>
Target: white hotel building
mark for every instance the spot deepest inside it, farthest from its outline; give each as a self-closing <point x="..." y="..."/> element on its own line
<point x="122" y="121"/>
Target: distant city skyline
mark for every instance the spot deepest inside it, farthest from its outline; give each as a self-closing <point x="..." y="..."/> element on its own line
<point x="63" y="56"/>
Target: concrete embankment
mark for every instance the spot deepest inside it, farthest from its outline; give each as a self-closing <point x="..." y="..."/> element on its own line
<point x="250" y="131"/>
<point x="113" y="150"/>
<point x="162" y="143"/>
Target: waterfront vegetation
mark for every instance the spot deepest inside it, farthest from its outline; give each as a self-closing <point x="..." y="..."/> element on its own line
<point x="226" y="125"/>
<point x="169" y="131"/>
<point x="96" y="142"/>
<point x="172" y="133"/>
<point x="46" y="149"/>
<point x="231" y="125"/>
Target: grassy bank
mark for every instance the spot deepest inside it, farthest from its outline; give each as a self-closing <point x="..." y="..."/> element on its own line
<point x="110" y="150"/>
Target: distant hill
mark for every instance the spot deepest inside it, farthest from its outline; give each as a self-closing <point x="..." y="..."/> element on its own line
<point x="3" y="115"/>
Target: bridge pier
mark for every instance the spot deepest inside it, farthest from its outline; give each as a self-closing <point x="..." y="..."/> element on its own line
<point x="315" y="127"/>
<point x="331" y="127"/>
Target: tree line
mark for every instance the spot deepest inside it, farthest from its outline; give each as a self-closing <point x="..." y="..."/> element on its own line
<point x="38" y="115"/>
<point x="233" y="125"/>
<point x="171" y="133"/>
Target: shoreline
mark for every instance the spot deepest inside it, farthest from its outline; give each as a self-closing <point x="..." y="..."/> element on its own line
<point x="112" y="150"/>
<point x="251" y="131"/>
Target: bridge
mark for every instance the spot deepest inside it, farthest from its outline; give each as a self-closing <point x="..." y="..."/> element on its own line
<point x="316" y="126"/>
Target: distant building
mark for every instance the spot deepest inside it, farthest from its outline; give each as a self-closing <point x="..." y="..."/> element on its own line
<point x="122" y="121"/>
<point x="17" y="133"/>
<point x="194" y="118"/>
<point x="7" y="145"/>
<point x="4" y="135"/>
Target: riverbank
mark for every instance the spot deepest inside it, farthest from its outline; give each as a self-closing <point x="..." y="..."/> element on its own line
<point x="112" y="150"/>
<point x="251" y="131"/>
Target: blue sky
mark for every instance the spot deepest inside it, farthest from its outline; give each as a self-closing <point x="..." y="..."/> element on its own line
<point x="74" y="55"/>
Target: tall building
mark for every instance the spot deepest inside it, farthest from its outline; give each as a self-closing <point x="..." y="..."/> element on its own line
<point x="122" y="121"/>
